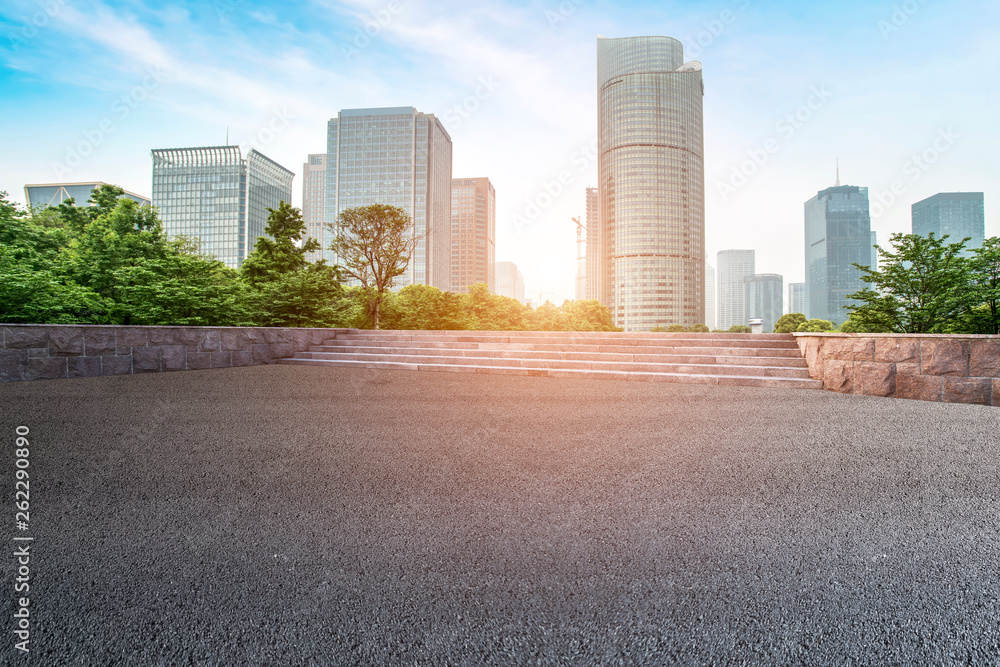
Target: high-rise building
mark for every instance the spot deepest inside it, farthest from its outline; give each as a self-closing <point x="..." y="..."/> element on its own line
<point x="734" y="266"/>
<point x="709" y="296"/>
<point x="217" y="196"/>
<point x="796" y="298"/>
<point x="763" y="296"/>
<point x="874" y="265"/>
<point x="837" y="235"/>
<point x="510" y="281"/>
<point x="652" y="182"/>
<point x="313" y="195"/>
<point x="957" y="214"/>
<point x="473" y="233"/>
<point x="400" y="157"/>
<point x="52" y="194"/>
<point x="594" y="260"/>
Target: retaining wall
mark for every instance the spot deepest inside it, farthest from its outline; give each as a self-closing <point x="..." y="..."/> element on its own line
<point x="926" y="367"/>
<point x="51" y="351"/>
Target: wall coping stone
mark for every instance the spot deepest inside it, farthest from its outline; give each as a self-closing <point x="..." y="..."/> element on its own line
<point x="838" y="334"/>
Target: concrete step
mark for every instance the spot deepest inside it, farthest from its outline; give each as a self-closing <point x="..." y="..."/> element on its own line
<point x="781" y="341"/>
<point x="732" y="380"/>
<point x="516" y="362"/>
<point x="629" y="351"/>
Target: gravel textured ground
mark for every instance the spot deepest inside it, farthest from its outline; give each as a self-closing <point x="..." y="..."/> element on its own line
<point x="301" y="515"/>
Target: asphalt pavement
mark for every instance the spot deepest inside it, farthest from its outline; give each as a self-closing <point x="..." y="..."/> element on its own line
<point x="288" y="515"/>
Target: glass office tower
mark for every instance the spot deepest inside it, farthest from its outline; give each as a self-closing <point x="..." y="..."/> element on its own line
<point x="837" y="235"/>
<point x="214" y="195"/>
<point x="651" y="182"/>
<point x="594" y="261"/>
<point x="709" y="296"/>
<point x="400" y="157"/>
<point x="734" y="266"/>
<point x="313" y="196"/>
<point x="764" y="298"/>
<point x="473" y="233"/>
<point x="796" y="298"/>
<point x="42" y="195"/>
<point x="957" y="214"/>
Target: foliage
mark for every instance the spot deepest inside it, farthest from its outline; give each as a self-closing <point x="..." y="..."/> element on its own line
<point x="675" y="328"/>
<point x="698" y="328"/>
<point x="739" y="328"/>
<point x="426" y="307"/>
<point x="922" y="286"/>
<point x="374" y="245"/>
<point x="815" y="326"/>
<point x="984" y="269"/>
<point x="281" y="251"/>
<point x="789" y="322"/>
<point x="38" y="295"/>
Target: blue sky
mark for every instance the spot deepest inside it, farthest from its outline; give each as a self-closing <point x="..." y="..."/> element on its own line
<point x="905" y="94"/>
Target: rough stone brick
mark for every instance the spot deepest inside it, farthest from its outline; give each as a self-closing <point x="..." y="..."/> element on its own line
<point x="13" y="365"/>
<point x="229" y="339"/>
<point x="984" y="358"/>
<point x="248" y="336"/>
<point x="173" y="357"/>
<point x="99" y="341"/>
<point x="186" y="336"/>
<point x="83" y="367"/>
<point x="908" y="369"/>
<point x="811" y="348"/>
<point x="146" y="360"/>
<point x="38" y="352"/>
<point x="128" y="338"/>
<point x="897" y="350"/>
<point x="919" y="387"/>
<point x="874" y="379"/>
<point x="944" y="357"/>
<point x="849" y="349"/>
<point x="17" y="338"/>
<point x="197" y="361"/>
<point x="282" y="350"/>
<point x="996" y="392"/>
<point x="260" y="354"/>
<point x="65" y="341"/>
<point x="117" y="365"/>
<point x="303" y="339"/>
<point x="209" y="340"/>
<point x="242" y="358"/>
<point x="967" y="390"/>
<point x="47" y="368"/>
<point x="222" y="359"/>
<point x="277" y="335"/>
<point x="838" y="375"/>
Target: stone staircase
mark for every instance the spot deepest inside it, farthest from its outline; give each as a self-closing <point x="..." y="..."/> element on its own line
<point x="756" y="360"/>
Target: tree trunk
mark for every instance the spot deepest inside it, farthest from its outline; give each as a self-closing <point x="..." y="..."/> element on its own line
<point x="375" y="313"/>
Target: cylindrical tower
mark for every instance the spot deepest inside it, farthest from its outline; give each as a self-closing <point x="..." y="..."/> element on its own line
<point x="652" y="183"/>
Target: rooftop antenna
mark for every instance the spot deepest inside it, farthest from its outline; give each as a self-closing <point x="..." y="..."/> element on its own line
<point x="838" y="173"/>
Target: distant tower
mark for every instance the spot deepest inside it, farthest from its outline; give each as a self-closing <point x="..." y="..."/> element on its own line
<point x="874" y="265"/>
<point x="594" y="263"/>
<point x="837" y="235"/>
<point x="709" y="296"/>
<point x="734" y="267"/>
<point x="313" y="188"/>
<point x="473" y="233"/>
<point x="957" y="214"/>
<point x="652" y="182"/>
<point x="796" y="298"/>
<point x="763" y="296"/>
<point x="510" y="281"/>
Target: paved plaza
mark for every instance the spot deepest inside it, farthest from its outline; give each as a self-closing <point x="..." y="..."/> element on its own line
<point x="307" y="515"/>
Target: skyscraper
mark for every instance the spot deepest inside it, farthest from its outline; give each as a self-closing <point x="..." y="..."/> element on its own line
<point x="217" y="196"/>
<point x="313" y="195"/>
<point x="709" y="296"/>
<point x="763" y="296"/>
<point x="874" y="265"/>
<point x="651" y="182"/>
<point x="837" y="235"/>
<point x="796" y="298"/>
<point x="53" y="194"/>
<point x="594" y="260"/>
<point x="957" y="214"/>
<point x="400" y="157"/>
<point x="473" y="233"/>
<point x="734" y="267"/>
<point x="510" y="281"/>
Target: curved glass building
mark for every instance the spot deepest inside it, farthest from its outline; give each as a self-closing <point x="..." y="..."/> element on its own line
<point x="652" y="183"/>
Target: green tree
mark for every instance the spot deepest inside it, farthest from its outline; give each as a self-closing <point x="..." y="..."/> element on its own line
<point x="698" y="328"/>
<point x="587" y="315"/>
<point x="374" y="245"/>
<point x="675" y="328"/>
<point x="984" y="271"/>
<point x="922" y="286"/>
<point x="493" y="312"/>
<point x="426" y="307"/>
<point x="282" y="250"/>
<point x="789" y="322"/>
<point x="739" y="328"/>
<point x="815" y="326"/>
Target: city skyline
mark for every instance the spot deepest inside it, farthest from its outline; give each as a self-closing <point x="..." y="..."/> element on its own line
<point x="789" y="89"/>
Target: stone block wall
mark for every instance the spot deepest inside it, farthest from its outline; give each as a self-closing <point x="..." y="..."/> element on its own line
<point x="926" y="367"/>
<point x="51" y="351"/>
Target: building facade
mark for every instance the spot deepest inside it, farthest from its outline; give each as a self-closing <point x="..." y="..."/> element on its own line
<point x="43" y="195"/>
<point x="956" y="214"/>
<point x="796" y="298"/>
<point x="313" y="197"/>
<point x="837" y="235"/>
<point x="763" y="294"/>
<point x="399" y="157"/>
<point x="594" y="257"/>
<point x="651" y="183"/>
<point x="217" y="196"/>
<point x="709" y="296"/>
<point x="473" y="233"/>
<point x="510" y="281"/>
<point x="734" y="266"/>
